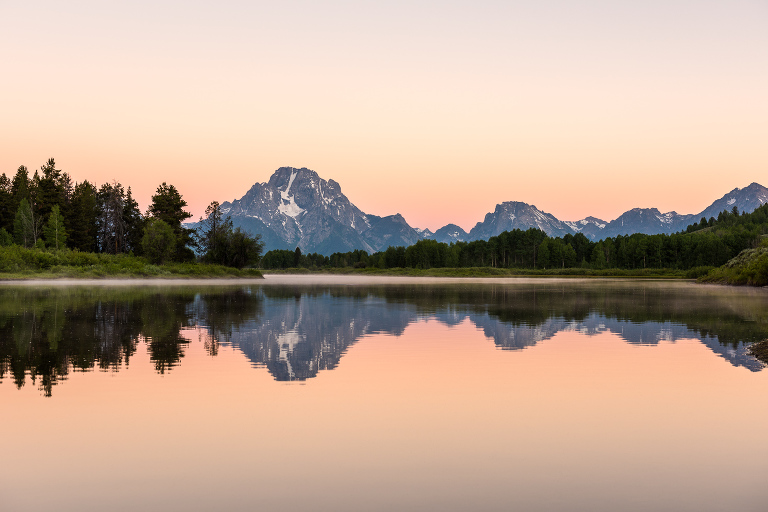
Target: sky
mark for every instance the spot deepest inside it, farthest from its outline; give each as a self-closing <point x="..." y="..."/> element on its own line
<point x="437" y="110"/>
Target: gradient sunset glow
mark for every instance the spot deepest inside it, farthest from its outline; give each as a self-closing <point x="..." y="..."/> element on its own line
<point x="435" y="110"/>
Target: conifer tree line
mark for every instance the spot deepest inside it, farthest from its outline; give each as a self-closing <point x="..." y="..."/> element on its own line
<point x="708" y="243"/>
<point x="48" y="210"/>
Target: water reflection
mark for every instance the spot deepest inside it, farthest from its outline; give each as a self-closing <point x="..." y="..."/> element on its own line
<point x="297" y="331"/>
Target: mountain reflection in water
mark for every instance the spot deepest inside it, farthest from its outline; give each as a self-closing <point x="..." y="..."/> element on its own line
<point x="296" y="331"/>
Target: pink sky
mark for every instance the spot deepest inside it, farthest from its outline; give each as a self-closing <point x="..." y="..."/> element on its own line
<point x="436" y="110"/>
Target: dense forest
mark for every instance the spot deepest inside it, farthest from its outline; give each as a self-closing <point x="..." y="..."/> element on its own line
<point x="708" y="243"/>
<point x="47" y="211"/>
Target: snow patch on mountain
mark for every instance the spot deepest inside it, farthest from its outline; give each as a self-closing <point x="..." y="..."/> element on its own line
<point x="424" y="233"/>
<point x="288" y="204"/>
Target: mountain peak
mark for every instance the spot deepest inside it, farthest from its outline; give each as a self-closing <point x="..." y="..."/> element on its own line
<point x="296" y="207"/>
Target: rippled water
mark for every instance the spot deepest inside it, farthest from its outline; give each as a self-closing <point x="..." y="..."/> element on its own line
<point x="334" y="393"/>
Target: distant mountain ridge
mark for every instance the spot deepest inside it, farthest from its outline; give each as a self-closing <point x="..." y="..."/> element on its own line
<point x="297" y="208"/>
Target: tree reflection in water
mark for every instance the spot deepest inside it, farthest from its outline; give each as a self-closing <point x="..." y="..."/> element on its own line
<point x="297" y="331"/>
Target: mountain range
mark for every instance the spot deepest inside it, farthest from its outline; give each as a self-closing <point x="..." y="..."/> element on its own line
<point x="297" y="208"/>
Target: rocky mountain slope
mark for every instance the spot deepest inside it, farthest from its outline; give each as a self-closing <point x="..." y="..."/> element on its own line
<point x="297" y="208"/>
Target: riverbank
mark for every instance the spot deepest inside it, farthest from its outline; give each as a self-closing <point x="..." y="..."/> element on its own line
<point x="164" y="272"/>
<point x="18" y="264"/>
<point x="750" y="268"/>
<point x="496" y="272"/>
<point x="759" y="349"/>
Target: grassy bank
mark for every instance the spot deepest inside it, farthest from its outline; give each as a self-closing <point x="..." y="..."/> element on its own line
<point x="750" y="268"/>
<point x="19" y="263"/>
<point x="500" y="272"/>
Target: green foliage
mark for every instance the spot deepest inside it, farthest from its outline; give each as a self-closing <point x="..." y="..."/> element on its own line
<point x="168" y="206"/>
<point x="691" y="254"/>
<point x="749" y="267"/>
<point x="7" y="207"/>
<point x="6" y="238"/>
<point x="18" y="262"/>
<point x="82" y="225"/>
<point x="54" y="232"/>
<point x="241" y="249"/>
<point x="112" y="231"/>
<point x="134" y="224"/>
<point x="159" y="241"/>
<point x="26" y="226"/>
<point x="211" y="233"/>
<point x="224" y="245"/>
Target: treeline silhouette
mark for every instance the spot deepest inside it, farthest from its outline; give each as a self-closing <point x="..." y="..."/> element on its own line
<point x="708" y="243"/>
<point x="48" y="211"/>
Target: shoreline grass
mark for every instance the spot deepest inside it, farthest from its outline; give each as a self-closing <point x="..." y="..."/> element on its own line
<point x="748" y="268"/>
<point x="494" y="272"/>
<point x="18" y="264"/>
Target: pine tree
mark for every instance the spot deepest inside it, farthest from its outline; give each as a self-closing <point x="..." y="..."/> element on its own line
<point x="168" y="206"/>
<point x="134" y="223"/>
<point x="19" y="187"/>
<point x="82" y="218"/>
<point x="111" y="232"/>
<point x="211" y="231"/>
<point x="49" y="189"/>
<point x="7" y="210"/>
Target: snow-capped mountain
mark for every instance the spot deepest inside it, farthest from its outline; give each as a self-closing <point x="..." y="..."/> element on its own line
<point x="589" y="227"/>
<point x="746" y="199"/>
<point x="424" y="233"/>
<point x="297" y="208"/>
<point x="649" y="221"/>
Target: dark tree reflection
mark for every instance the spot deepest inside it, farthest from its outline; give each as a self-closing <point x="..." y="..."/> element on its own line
<point x="297" y="331"/>
<point x="46" y="333"/>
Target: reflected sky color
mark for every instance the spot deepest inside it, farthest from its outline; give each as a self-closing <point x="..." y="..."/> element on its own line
<point x="431" y="101"/>
<point x="430" y="415"/>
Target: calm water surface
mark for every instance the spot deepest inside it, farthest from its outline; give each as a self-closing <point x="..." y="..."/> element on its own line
<point x="332" y="393"/>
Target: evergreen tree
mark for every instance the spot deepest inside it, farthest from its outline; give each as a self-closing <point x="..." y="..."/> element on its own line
<point x="211" y="233"/>
<point x="168" y="206"/>
<point x="49" y="189"/>
<point x="82" y="219"/>
<point x="7" y="208"/>
<point x="542" y="254"/>
<point x="224" y="245"/>
<point x="111" y="226"/>
<point x="134" y="223"/>
<point x="20" y="187"/>
<point x="297" y="257"/>
<point x="54" y="232"/>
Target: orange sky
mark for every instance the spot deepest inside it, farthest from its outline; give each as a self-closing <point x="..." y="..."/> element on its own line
<point x="436" y="110"/>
